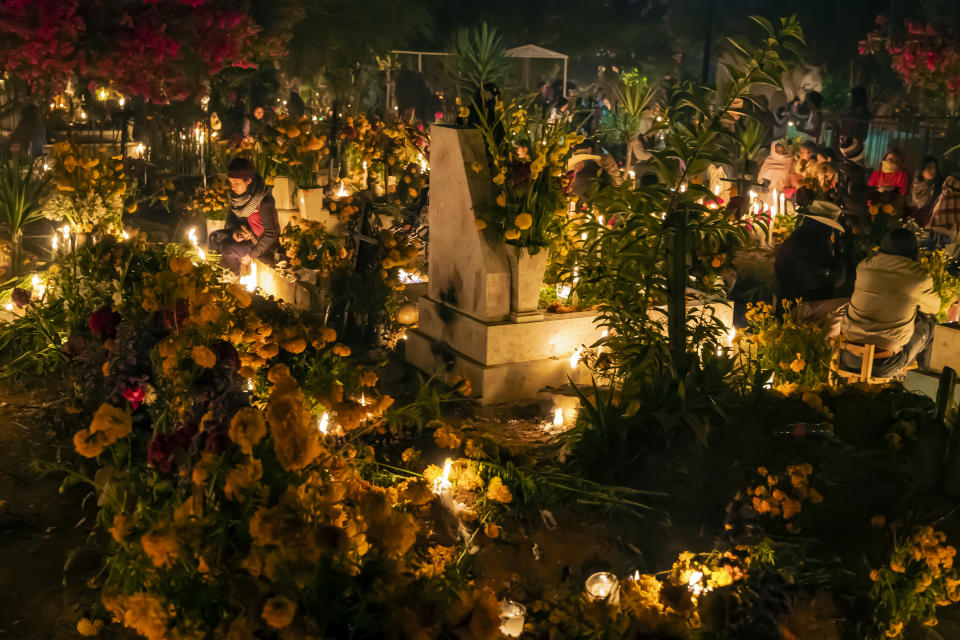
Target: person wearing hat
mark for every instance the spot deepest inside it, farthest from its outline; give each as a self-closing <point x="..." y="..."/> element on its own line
<point x="252" y="227"/>
<point x="808" y="266"/>
<point x="893" y="305"/>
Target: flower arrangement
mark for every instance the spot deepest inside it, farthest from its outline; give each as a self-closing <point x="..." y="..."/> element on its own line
<point x="797" y="351"/>
<point x="308" y="246"/>
<point x="378" y="148"/>
<point x="91" y="188"/>
<point x="299" y="149"/>
<point x="947" y="284"/>
<point x="528" y="161"/>
<point x="783" y="496"/>
<point x="919" y="577"/>
<point x="213" y="202"/>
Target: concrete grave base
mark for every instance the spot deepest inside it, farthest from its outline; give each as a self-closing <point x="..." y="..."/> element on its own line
<point x="504" y="361"/>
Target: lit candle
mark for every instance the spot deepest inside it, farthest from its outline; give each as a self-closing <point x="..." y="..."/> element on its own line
<point x="323" y="424"/>
<point x="602" y="586"/>
<point x="511" y="618"/>
<point x="575" y="357"/>
<point x="558" y="417"/>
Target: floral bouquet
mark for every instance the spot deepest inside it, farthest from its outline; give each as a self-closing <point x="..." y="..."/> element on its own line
<point x="212" y="202"/>
<point x="300" y="149"/>
<point x="91" y="188"/>
<point x="946" y="284"/>
<point x="528" y="157"/>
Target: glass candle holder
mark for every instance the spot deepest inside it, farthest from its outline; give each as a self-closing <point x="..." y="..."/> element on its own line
<point x="602" y="586"/>
<point x="512" y="615"/>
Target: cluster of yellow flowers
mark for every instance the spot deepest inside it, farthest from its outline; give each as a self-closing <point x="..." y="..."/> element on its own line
<point x="212" y="202"/>
<point x="399" y="249"/>
<point x="888" y="209"/>
<point x="299" y="148"/>
<point x="109" y="425"/>
<point x="919" y="577"/>
<point x="91" y="187"/>
<point x="784" y="495"/>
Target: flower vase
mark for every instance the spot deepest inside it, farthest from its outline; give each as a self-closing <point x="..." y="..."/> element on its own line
<point x="526" y="279"/>
<point x="311" y="203"/>
<point x="283" y="189"/>
<point x="214" y="225"/>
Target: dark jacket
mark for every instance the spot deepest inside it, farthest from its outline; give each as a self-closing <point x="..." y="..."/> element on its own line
<point x="262" y="223"/>
<point x="806" y="266"/>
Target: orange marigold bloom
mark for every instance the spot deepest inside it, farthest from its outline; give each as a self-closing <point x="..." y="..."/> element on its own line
<point x="247" y="427"/>
<point x="278" y="612"/>
<point x="498" y="491"/>
<point x="161" y="545"/>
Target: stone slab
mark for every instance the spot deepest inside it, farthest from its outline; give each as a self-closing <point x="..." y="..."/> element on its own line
<point x="945" y="350"/>
<point x="495" y="384"/>
<point x="496" y="343"/>
<point x="468" y="268"/>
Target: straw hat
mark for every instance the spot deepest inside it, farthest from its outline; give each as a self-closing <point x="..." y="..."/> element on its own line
<point x="581" y="157"/>
<point x="823" y="212"/>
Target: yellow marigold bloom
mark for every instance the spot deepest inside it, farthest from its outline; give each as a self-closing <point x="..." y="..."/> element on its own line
<point x="121" y="526"/>
<point x="499" y="179"/>
<point x="791" y="508"/>
<point x="511" y="234"/>
<point x="295" y="438"/>
<point x="762" y="471"/>
<point x="448" y="437"/>
<point x="89" y="628"/>
<point x="240" y="293"/>
<point x="247" y="427"/>
<point x="294" y="345"/>
<point x="798" y="364"/>
<point x="897" y="566"/>
<point x="498" y="491"/>
<point x="329" y="335"/>
<point x="875" y="575"/>
<point x="523" y="221"/>
<point x="161" y="545"/>
<point x="180" y="265"/>
<point x="241" y="478"/>
<point x="203" y="356"/>
<point x="873" y="209"/>
<point x="895" y="630"/>
<point x="878" y="522"/>
<point x="341" y="350"/>
<point x="278" y="612"/>
<point x="492" y="531"/>
<point x="143" y="612"/>
<point x="481" y="223"/>
<point x="889" y="209"/>
<point x="109" y="425"/>
<point x="931" y="622"/>
<point x="502" y="199"/>
<point x="209" y="313"/>
<point x="815" y="497"/>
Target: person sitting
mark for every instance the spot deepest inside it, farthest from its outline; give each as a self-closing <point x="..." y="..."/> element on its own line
<point x="804" y="166"/>
<point x="891" y="178"/>
<point x="252" y="227"/>
<point x="924" y="191"/>
<point x="893" y="306"/>
<point x="807" y="266"/>
<point x="946" y="213"/>
<point x="776" y="168"/>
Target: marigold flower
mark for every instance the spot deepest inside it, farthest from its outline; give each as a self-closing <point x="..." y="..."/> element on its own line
<point x="498" y="491"/>
<point x="180" y="265"/>
<point x="448" y="437"/>
<point x="491" y="530"/>
<point x="878" y="521"/>
<point x="89" y="628"/>
<point x="480" y="223"/>
<point x="294" y="345"/>
<point x="161" y="546"/>
<point x="247" y="427"/>
<point x="278" y="612"/>
<point x="511" y="234"/>
<point x="121" y="526"/>
<point x="502" y="199"/>
<point x="341" y="350"/>
<point x="241" y="478"/>
<point x="523" y="221"/>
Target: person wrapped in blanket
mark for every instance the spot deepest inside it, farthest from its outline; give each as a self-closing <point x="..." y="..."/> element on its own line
<point x="252" y="227"/>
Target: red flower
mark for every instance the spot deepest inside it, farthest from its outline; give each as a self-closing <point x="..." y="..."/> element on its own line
<point x="20" y="297"/>
<point x="134" y="395"/>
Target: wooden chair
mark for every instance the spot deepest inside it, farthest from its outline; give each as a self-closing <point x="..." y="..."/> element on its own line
<point x="867" y="353"/>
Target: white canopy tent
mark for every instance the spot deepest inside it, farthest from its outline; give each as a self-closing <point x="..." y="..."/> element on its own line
<point x="524" y="54"/>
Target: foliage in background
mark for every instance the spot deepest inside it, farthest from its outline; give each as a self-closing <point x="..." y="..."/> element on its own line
<point x="23" y="186"/>
<point x="946" y="282"/>
<point x="475" y="58"/>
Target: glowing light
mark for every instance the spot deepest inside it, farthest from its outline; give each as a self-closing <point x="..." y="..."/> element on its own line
<point x="716" y="191"/>
<point x="324" y="422"/>
<point x="249" y="281"/>
<point x="8" y="306"/>
<point x="575" y="357"/>
<point x="140" y="149"/>
<point x="250" y="384"/>
<point x="46" y="167"/>
<point x="683" y="188"/>
<point x="636" y="576"/>
<point x="558" y="417"/>
<point x="121" y="101"/>
<point x="101" y="94"/>
<point x="423" y="163"/>
<point x="583" y="236"/>
<point x="363" y="400"/>
<point x="731" y="336"/>
<point x="694" y="582"/>
<point x="124" y="235"/>
<point x="563" y="291"/>
<point x="342" y="191"/>
<point x="632" y="174"/>
<point x="83" y="115"/>
<point x="192" y="235"/>
<point x="601" y="585"/>
<point x="55" y="242"/>
<point x="443" y="482"/>
<point x="600" y="220"/>
<point x="409" y="277"/>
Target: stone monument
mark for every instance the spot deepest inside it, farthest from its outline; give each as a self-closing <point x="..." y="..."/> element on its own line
<point x="466" y="327"/>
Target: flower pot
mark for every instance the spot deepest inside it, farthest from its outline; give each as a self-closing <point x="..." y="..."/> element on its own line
<point x="283" y="189"/>
<point x="526" y="278"/>
<point x="311" y="203"/>
<point x="213" y="225"/>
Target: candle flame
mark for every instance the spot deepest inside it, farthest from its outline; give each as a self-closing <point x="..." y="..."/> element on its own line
<point x="249" y="281"/>
<point x="558" y="417"/>
<point x="324" y="422"/>
<point x="575" y="357"/>
<point x="443" y="482"/>
<point x="342" y="191"/>
<point x="731" y="336"/>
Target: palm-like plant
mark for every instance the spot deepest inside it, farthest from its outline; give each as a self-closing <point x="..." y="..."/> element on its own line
<point x="22" y="188"/>
<point x="475" y="57"/>
<point x="749" y="135"/>
<point x="634" y="96"/>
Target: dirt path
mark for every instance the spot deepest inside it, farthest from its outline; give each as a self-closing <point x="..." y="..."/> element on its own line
<point x="39" y="526"/>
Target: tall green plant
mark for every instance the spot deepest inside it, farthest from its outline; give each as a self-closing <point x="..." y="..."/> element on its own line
<point x="623" y="262"/>
<point x="624" y="123"/>
<point x="475" y="57"/>
<point x="22" y="188"/>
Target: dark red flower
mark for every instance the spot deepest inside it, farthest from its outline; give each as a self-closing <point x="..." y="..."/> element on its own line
<point x="175" y="318"/>
<point x="164" y="449"/>
<point x="103" y="322"/>
<point x="20" y="297"/>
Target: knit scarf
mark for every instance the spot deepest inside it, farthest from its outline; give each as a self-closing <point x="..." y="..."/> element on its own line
<point x="247" y="203"/>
